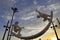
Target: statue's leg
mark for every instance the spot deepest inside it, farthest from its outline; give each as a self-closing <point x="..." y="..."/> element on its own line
<point x="19" y="32"/>
<point x="15" y="30"/>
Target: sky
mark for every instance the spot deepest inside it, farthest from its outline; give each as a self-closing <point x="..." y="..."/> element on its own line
<point x="26" y="15"/>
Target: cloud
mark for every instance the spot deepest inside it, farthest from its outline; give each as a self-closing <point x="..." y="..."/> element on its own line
<point x="7" y="3"/>
<point x="8" y="17"/>
<point x="28" y="15"/>
<point x="49" y="1"/>
<point x="35" y="2"/>
<point x="52" y="1"/>
<point x="27" y="18"/>
<point x="54" y="6"/>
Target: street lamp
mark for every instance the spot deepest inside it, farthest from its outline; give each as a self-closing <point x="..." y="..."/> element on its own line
<point x="6" y="29"/>
<point x="9" y="32"/>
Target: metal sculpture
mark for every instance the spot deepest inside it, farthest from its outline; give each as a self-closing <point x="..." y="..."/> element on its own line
<point x="45" y="16"/>
<point x="16" y="28"/>
<point x="43" y="31"/>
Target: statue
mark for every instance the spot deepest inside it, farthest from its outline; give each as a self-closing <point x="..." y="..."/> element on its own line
<point x="45" y="16"/>
<point x="17" y="28"/>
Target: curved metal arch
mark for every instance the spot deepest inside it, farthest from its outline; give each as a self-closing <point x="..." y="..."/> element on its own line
<point x="38" y="34"/>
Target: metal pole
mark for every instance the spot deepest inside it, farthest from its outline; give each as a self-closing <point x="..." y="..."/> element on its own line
<point x="58" y="21"/>
<point x="9" y="36"/>
<point x="5" y="30"/>
<point x="55" y="31"/>
<point x="10" y="27"/>
<point x="54" y="28"/>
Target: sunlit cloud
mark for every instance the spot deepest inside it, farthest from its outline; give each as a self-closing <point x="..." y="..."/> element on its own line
<point x="27" y="18"/>
<point x="8" y="17"/>
<point x="54" y="38"/>
<point x="54" y="6"/>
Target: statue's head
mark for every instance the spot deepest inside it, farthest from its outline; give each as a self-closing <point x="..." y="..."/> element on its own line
<point x="16" y="22"/>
